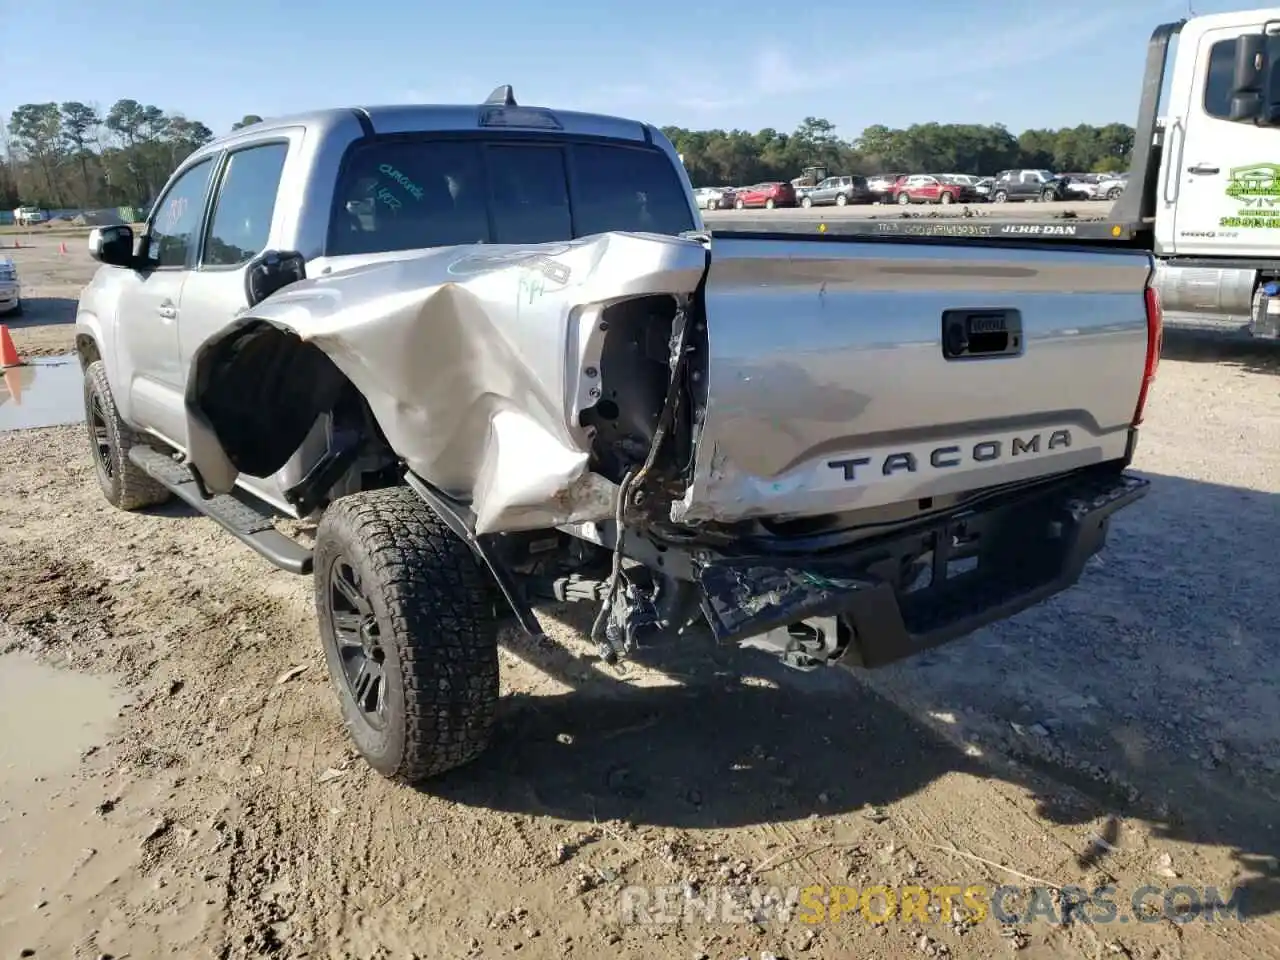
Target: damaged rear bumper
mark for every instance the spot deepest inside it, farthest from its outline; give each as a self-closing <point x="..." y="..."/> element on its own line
<point x="894" y="596"/>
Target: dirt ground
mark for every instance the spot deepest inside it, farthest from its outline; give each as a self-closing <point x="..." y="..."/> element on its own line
<point x="1125" y="733"/>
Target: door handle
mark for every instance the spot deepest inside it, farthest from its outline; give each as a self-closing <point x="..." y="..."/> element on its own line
<point x="167" y="311"/>
<point x="1202" y="169"/>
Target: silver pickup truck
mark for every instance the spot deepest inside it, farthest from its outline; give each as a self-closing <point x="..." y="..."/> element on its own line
<point x="494" y="352"/>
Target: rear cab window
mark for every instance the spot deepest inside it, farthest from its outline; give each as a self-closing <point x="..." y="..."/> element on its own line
<point x="411" y="193"/>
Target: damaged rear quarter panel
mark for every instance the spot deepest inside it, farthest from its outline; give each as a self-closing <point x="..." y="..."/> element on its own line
<point x="469" y="359"/>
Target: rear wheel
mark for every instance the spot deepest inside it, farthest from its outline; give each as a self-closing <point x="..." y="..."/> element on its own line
<point x="1114" y="193"/>
<point x="409" y="620"/>
<point x="806" y="202"/>
<point x="1047" y="197"/>
<point x="123" y="484"/>
<point x="842" y="200"/>
<point x="903" y="199"/>
<point x="769" y="204"/>
<point x="999" y="197"/>
<point x="946" y="199"/>
<point x="739" y="205"/>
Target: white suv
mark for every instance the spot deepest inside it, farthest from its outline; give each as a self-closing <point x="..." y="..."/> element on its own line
<point x="10" y="289"/>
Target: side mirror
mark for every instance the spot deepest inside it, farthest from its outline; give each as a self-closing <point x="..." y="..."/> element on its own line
<point x="270" y="271"/>
<point x="1251" y="79"/>
<point x="112" y="246"/>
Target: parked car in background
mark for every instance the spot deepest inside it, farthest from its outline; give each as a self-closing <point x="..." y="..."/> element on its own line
<point x="27" y="216"/>
<point x="983" y="187"/>
<point x="882" y="184"/>
<point x="10" y="288"/>
<point x="1043" y="185"/>
<point x="768" y="195"/>
<point x="714" y="198"/>
<point x="925" y="188"/>
<point x="837" y="190"/>
<point x="1111" y="186"/>
<point x="1081" y="186"/>
<point x="968" y="180"/>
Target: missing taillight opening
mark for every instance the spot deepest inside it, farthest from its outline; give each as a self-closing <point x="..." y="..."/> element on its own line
<point x="1155" y="341"/>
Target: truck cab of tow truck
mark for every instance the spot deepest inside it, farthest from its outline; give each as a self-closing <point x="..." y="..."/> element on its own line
<point x="1214" y="201"/>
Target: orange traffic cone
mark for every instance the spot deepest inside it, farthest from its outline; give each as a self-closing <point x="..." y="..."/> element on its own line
<point x="62" y="249"/>
<point x="8" y="352"/>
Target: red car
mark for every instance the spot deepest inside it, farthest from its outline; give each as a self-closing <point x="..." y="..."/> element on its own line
<point x="921" y="188"/>
<point x="768" y="195"/>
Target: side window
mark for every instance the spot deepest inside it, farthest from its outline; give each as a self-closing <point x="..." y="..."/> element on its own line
<point x="172" y="234"/>
<point x="627" y="188"/>
<point x="1029" y="177"/>
<point x="1218" y="79"/>
<point x="1220" y="73"/>
<point x="245" y="204"/>
<point x="530" y="194"/>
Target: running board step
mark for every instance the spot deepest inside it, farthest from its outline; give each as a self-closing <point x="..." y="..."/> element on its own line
<point x="252" y="527"/>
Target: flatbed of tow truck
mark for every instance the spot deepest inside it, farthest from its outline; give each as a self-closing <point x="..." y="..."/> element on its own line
<point x="1066" y="228"/>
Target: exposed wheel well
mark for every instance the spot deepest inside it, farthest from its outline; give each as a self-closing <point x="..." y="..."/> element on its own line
<point x="87" y="350"/>
<point x="262" y="389"/>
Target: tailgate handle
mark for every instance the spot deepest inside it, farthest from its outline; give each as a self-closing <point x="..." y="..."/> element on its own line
<point x="978" y="334"/>
<point x="1202" y="169"/>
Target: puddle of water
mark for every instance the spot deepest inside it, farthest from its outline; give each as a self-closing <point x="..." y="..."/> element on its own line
<point x="48" y="718"/>
<point x="46" y="392"/>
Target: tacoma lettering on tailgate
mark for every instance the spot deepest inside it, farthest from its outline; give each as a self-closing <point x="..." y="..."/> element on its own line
<point x="954" y="455"/>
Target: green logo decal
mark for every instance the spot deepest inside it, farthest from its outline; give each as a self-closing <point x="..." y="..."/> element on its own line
<point x="1257" y="188"/>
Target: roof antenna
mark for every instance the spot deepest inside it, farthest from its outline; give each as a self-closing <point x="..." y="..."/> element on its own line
<point x="502" y="96"/>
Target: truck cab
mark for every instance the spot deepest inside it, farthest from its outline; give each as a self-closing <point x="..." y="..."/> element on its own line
<point x="1212" y="198"/>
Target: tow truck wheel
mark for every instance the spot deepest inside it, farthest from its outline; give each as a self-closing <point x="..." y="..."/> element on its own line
<point x="841" y="200"/>
<point x="903" y="199"/>
<point x="124" y="485"/>
<point x="409" y="621"/>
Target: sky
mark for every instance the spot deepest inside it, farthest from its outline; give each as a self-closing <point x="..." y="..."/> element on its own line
<point x="748" y="64"/>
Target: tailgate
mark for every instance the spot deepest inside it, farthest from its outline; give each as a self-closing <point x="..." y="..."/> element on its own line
<point x="830" y="388"/>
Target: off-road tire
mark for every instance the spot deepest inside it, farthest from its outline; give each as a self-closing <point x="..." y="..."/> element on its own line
<point x="123" y="484"/>
<point x="436" y="610"/>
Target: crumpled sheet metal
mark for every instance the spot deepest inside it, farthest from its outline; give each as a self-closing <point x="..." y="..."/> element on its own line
<point x="468" y="359"/>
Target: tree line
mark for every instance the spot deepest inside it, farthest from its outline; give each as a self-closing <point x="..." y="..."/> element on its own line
<point x="739" y="157"/>
<point x="73" y="155"/>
